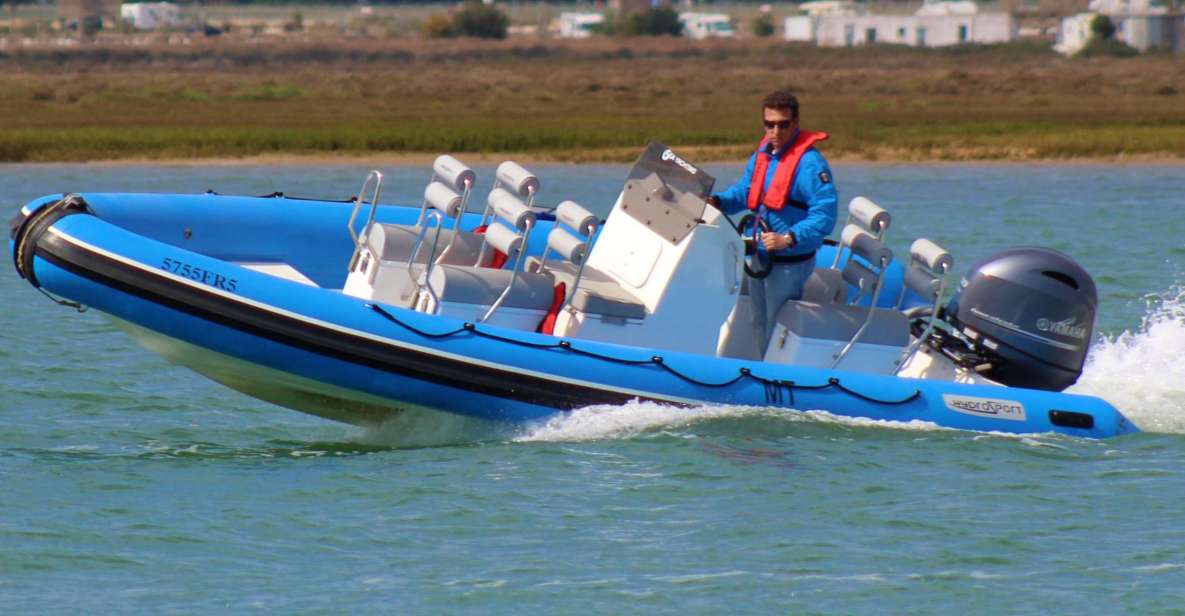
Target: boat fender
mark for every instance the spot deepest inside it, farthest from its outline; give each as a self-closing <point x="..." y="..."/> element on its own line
<point x="869" y="214"/>
<point x="517" y="179"/>
<point x="509" y="208"/>
<point x="443" y="199"/>
<point x="576" y="217"/>
<point x="454" y="173"/>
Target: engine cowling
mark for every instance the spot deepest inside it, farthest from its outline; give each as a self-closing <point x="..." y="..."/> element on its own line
<point x="1031" y="312"/>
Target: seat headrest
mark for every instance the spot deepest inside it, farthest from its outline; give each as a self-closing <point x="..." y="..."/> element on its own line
<point x="517" y="179"/>
<point x="931" y="255"/>
<point x="869" y="248"/>
<point x="511" y="209"/>
<point x="567" y="245"/>
<point x="443" y="199"/>
<point x="505" y="240"/>
<point x="453" y="173"/>
<point x="576" y="217"/>
<point x="922" y="282"/>
<point x="872" y="216"/>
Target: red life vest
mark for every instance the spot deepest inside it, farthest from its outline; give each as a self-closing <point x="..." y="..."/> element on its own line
<point x="779" y="188"/>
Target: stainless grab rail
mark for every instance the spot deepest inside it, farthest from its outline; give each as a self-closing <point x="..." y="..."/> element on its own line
<point x="359" y="238"/>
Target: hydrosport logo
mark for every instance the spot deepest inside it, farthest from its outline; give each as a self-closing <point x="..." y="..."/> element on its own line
<point x="669" y="155"/>
<point x="985" y="407"/>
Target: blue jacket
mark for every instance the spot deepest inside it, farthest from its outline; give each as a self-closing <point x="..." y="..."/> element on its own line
<point x="813" y="188"/>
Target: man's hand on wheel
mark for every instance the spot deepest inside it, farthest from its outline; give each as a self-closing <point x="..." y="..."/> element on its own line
<point x="775" y="241"/>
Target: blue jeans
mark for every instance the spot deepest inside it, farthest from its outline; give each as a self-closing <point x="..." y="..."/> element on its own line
<point x="784" y="283"/>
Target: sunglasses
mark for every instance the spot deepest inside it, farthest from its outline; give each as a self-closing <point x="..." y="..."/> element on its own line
<point x="782" y="124"/>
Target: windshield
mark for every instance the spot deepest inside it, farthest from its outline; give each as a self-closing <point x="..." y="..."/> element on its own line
<point x="666" y="193"/>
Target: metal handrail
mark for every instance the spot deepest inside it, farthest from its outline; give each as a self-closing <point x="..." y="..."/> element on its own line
<point x="359" y="238"/>
<point x="415" y="252"/>
<point x="929" y="329"/>
<point x="884" y="263"/>
<point x="457" y="220"/>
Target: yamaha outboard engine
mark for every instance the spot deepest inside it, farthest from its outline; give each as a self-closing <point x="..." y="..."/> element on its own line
<point x="1030" y="312"/>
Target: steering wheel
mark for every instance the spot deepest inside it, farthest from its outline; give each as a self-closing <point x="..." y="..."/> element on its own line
<point x="760" y="262"/>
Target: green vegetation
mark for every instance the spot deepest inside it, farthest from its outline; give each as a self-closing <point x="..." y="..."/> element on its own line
<point x="762" y="25"/>
<point x="596" y="100"/>
<point x="1102" y="41"/>
<point x="476" y="20"/>
<point x="655" y="21"/>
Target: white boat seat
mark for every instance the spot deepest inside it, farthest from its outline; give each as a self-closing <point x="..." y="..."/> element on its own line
<point x="396" y="242"/>
<point x="598" y="294"/>
<point x="840" y="323"/>
<point x="482" y="286"/>
<point x="825" y="286"/>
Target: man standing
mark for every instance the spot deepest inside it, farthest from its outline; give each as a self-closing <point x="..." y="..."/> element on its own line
<point x="788" y="186"/>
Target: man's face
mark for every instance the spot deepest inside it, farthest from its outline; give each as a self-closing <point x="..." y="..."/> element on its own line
<point x="778" y="126"/>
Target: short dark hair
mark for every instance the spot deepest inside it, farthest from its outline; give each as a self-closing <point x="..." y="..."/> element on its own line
<point x="782" y="99"/>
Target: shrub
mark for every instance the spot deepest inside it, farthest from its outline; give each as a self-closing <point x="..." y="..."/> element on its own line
<point x="1107" y="47"/>
<point x="1101" y="27"/>
<point x="481" y="21"/>
<point x="438" y="25"/>
<point x="651" y="22"/>
<point x="763" y="25"/>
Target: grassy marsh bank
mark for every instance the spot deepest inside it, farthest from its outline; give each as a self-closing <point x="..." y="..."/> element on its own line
<point x="578" y="101"/>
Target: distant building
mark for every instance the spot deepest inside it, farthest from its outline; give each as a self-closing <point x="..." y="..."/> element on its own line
<point x="1142" y="24"/>
<point x="700" y="26"/>
<point x="150" y="15"/>
<point x="579" y="25"/>
<point x="836" y="23"/>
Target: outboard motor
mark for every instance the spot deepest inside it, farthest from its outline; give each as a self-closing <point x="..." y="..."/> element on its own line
<point x="1030" y="313"/>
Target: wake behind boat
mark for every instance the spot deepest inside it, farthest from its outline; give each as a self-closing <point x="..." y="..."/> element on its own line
<point x="355" y="311"/>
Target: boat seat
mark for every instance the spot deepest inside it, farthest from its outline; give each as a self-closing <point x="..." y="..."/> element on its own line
<point x="587" y="289"/>
<point x="481" y="286"/>
<point x="826" y="285"/>
<point x="598" y="294"/>
<point x="840" y="323"/>
<point x="397" y="242"/>
<point x="825" y="334"/>
<point x="518" y="297"/>
<point x="819" y="335"/>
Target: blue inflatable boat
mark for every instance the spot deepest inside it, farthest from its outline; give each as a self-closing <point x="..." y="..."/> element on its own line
<point x="355" y="311"/>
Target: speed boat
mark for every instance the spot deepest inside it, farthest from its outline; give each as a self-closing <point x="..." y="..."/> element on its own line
<point x="356" y="311"/>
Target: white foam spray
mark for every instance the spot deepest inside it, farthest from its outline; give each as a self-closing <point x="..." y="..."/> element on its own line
<point x="1142" y="373"/>
<point x="638" y="419"/>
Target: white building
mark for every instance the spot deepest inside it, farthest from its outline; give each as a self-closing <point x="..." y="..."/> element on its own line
<point x="579" y="25"/>
<point x="936" y="24"/>
<point x="150" y="15"/>
<point x="1142" y="24"/>
<point x="700" y="26"/>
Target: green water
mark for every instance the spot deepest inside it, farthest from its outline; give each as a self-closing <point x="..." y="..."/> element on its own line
<point x="132" y="486"/>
